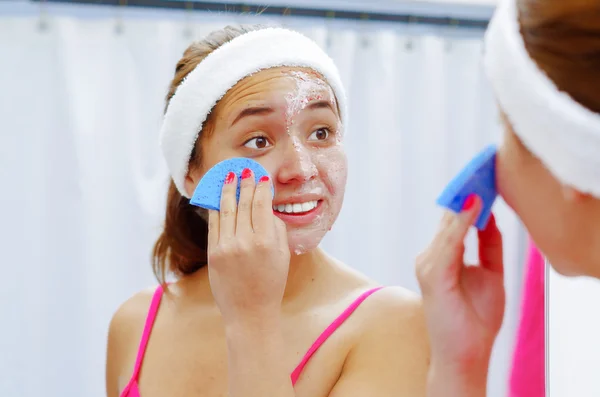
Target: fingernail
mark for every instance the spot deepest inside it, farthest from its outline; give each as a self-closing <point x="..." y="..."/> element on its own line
<point x="469" y="202"/>
<point x="229" y="178"/>
<point x="246" y="173"/>
<point x="264" y="179"/>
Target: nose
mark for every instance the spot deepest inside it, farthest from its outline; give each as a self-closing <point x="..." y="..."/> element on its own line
<point x="297" y="163"/>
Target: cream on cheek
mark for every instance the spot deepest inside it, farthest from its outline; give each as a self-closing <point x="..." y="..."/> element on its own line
<point x="331" y="173"/>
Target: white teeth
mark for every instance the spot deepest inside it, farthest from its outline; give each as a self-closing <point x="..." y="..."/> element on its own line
<point x="296" y="208"/>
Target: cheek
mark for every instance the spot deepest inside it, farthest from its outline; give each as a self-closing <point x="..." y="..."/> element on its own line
<point x="332" y="165"/>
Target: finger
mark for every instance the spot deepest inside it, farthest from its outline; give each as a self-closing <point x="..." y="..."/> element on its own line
<point x="438" y="271"/>
<point x="227" y="214"/>
<point x="244" y="211"/>
<point x="444" y="260"/>
<point x="262" y="208"/>
<point x="213" y="229"/>
<point x="490" y="247"/>
<point x="454" y="227"/>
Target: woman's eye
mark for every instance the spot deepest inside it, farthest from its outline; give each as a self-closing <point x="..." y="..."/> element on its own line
<point x="260" y="142"/>
<point x="320" y="135"/>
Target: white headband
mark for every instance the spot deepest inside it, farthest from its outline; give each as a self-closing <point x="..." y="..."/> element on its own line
<point x="562" y="133"/>
<point x="205" y="85"/>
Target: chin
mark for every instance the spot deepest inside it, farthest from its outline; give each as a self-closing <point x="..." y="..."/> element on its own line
<point x="574" y="269"/>
<point x="302" y="243"/>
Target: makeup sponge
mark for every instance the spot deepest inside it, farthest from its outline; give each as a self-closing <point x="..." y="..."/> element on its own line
<point x="208" y="192"/>
<point x="479" y="177"/>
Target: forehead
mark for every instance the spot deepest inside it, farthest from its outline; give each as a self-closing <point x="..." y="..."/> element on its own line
<point x="278" y="87"/>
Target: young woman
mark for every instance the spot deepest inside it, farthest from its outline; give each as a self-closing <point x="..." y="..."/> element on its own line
<point x="543" y="59"/>
<point x="257" y="308"/>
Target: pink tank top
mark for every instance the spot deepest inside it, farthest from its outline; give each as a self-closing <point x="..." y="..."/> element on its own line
<point x="131" y="390"/>
<point x="527" y="378"/>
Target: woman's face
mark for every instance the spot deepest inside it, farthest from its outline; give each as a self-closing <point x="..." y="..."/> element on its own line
<point x="287" y="120"/>
<point x="562" y="222"/>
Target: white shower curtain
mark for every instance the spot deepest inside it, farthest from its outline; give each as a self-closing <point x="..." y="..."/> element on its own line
<point x="83" y="183"/>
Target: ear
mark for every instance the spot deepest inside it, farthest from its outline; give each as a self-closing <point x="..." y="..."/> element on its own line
<point x="190" y="184"/>
<point x="572" y="195"/>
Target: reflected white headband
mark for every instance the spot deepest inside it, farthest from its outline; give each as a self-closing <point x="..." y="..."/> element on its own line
<point x="562" y="133"/>
<point x="220" y="71"/>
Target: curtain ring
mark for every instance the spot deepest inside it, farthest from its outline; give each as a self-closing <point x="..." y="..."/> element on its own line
<point x="43" y="23"/>
<point x="188" y="30"/>
<point x="119" y="25"/>
<point x="409" y="44"/>
<point x="454" y="25"/>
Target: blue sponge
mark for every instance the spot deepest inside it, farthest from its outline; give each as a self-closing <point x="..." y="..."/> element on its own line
<point x="479" y="177"/>
<point x="208" y="192"/>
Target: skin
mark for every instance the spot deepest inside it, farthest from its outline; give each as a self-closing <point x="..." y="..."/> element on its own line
<point x="259" y="305"/>
<point x="563" y="223"/>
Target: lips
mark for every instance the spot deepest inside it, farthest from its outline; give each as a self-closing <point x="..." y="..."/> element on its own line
<point x="299" y="219"/>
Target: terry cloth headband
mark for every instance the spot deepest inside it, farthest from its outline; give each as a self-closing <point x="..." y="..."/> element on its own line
<point x="204" y="86"/>
<point x="562" y="133"/>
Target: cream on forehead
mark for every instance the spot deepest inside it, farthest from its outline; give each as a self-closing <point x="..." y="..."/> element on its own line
<point x="308" y="87"/>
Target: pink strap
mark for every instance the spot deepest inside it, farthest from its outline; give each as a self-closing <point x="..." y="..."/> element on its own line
<point x="527" y="378"/>
<point x="329" y="331"/>
<point x="147" y="329"/>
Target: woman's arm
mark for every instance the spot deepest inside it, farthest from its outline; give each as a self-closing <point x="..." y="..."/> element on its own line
<point x="124" y="332"/>
<point x="447" y="381"/>
<point x="116" y="345"/>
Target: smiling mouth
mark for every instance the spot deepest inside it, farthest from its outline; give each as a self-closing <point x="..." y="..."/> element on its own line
<point x="296" y="208"/>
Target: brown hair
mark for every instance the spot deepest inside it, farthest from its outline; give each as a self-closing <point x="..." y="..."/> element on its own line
<point x="563" y="37"/>
<point x="181" y="247"/>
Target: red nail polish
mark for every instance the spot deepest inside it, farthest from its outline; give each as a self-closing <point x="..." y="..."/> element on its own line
<point x="469" y="202"/>
<point x="229" y="178"/>
<point x="264" y="179"/>
<point x="246" y="173"/>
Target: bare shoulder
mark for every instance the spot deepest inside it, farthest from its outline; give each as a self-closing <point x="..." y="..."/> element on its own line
<point x="130" y="316"/>
<point x="391" y="356"/>
<point x="124" y="333"/>
<point x="395" y="318"/>
<point x="404" y="304"/>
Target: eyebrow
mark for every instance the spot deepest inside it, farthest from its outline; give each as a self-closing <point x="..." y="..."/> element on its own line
<point x="264" y="110"/>
<point x="322" y="105"/>
<point x="253" y="111"/>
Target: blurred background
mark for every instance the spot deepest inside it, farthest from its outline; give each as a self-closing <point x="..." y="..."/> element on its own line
<point x="82" y="87"/>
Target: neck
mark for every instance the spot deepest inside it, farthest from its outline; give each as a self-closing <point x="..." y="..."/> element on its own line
<point x="303" y="270"/>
